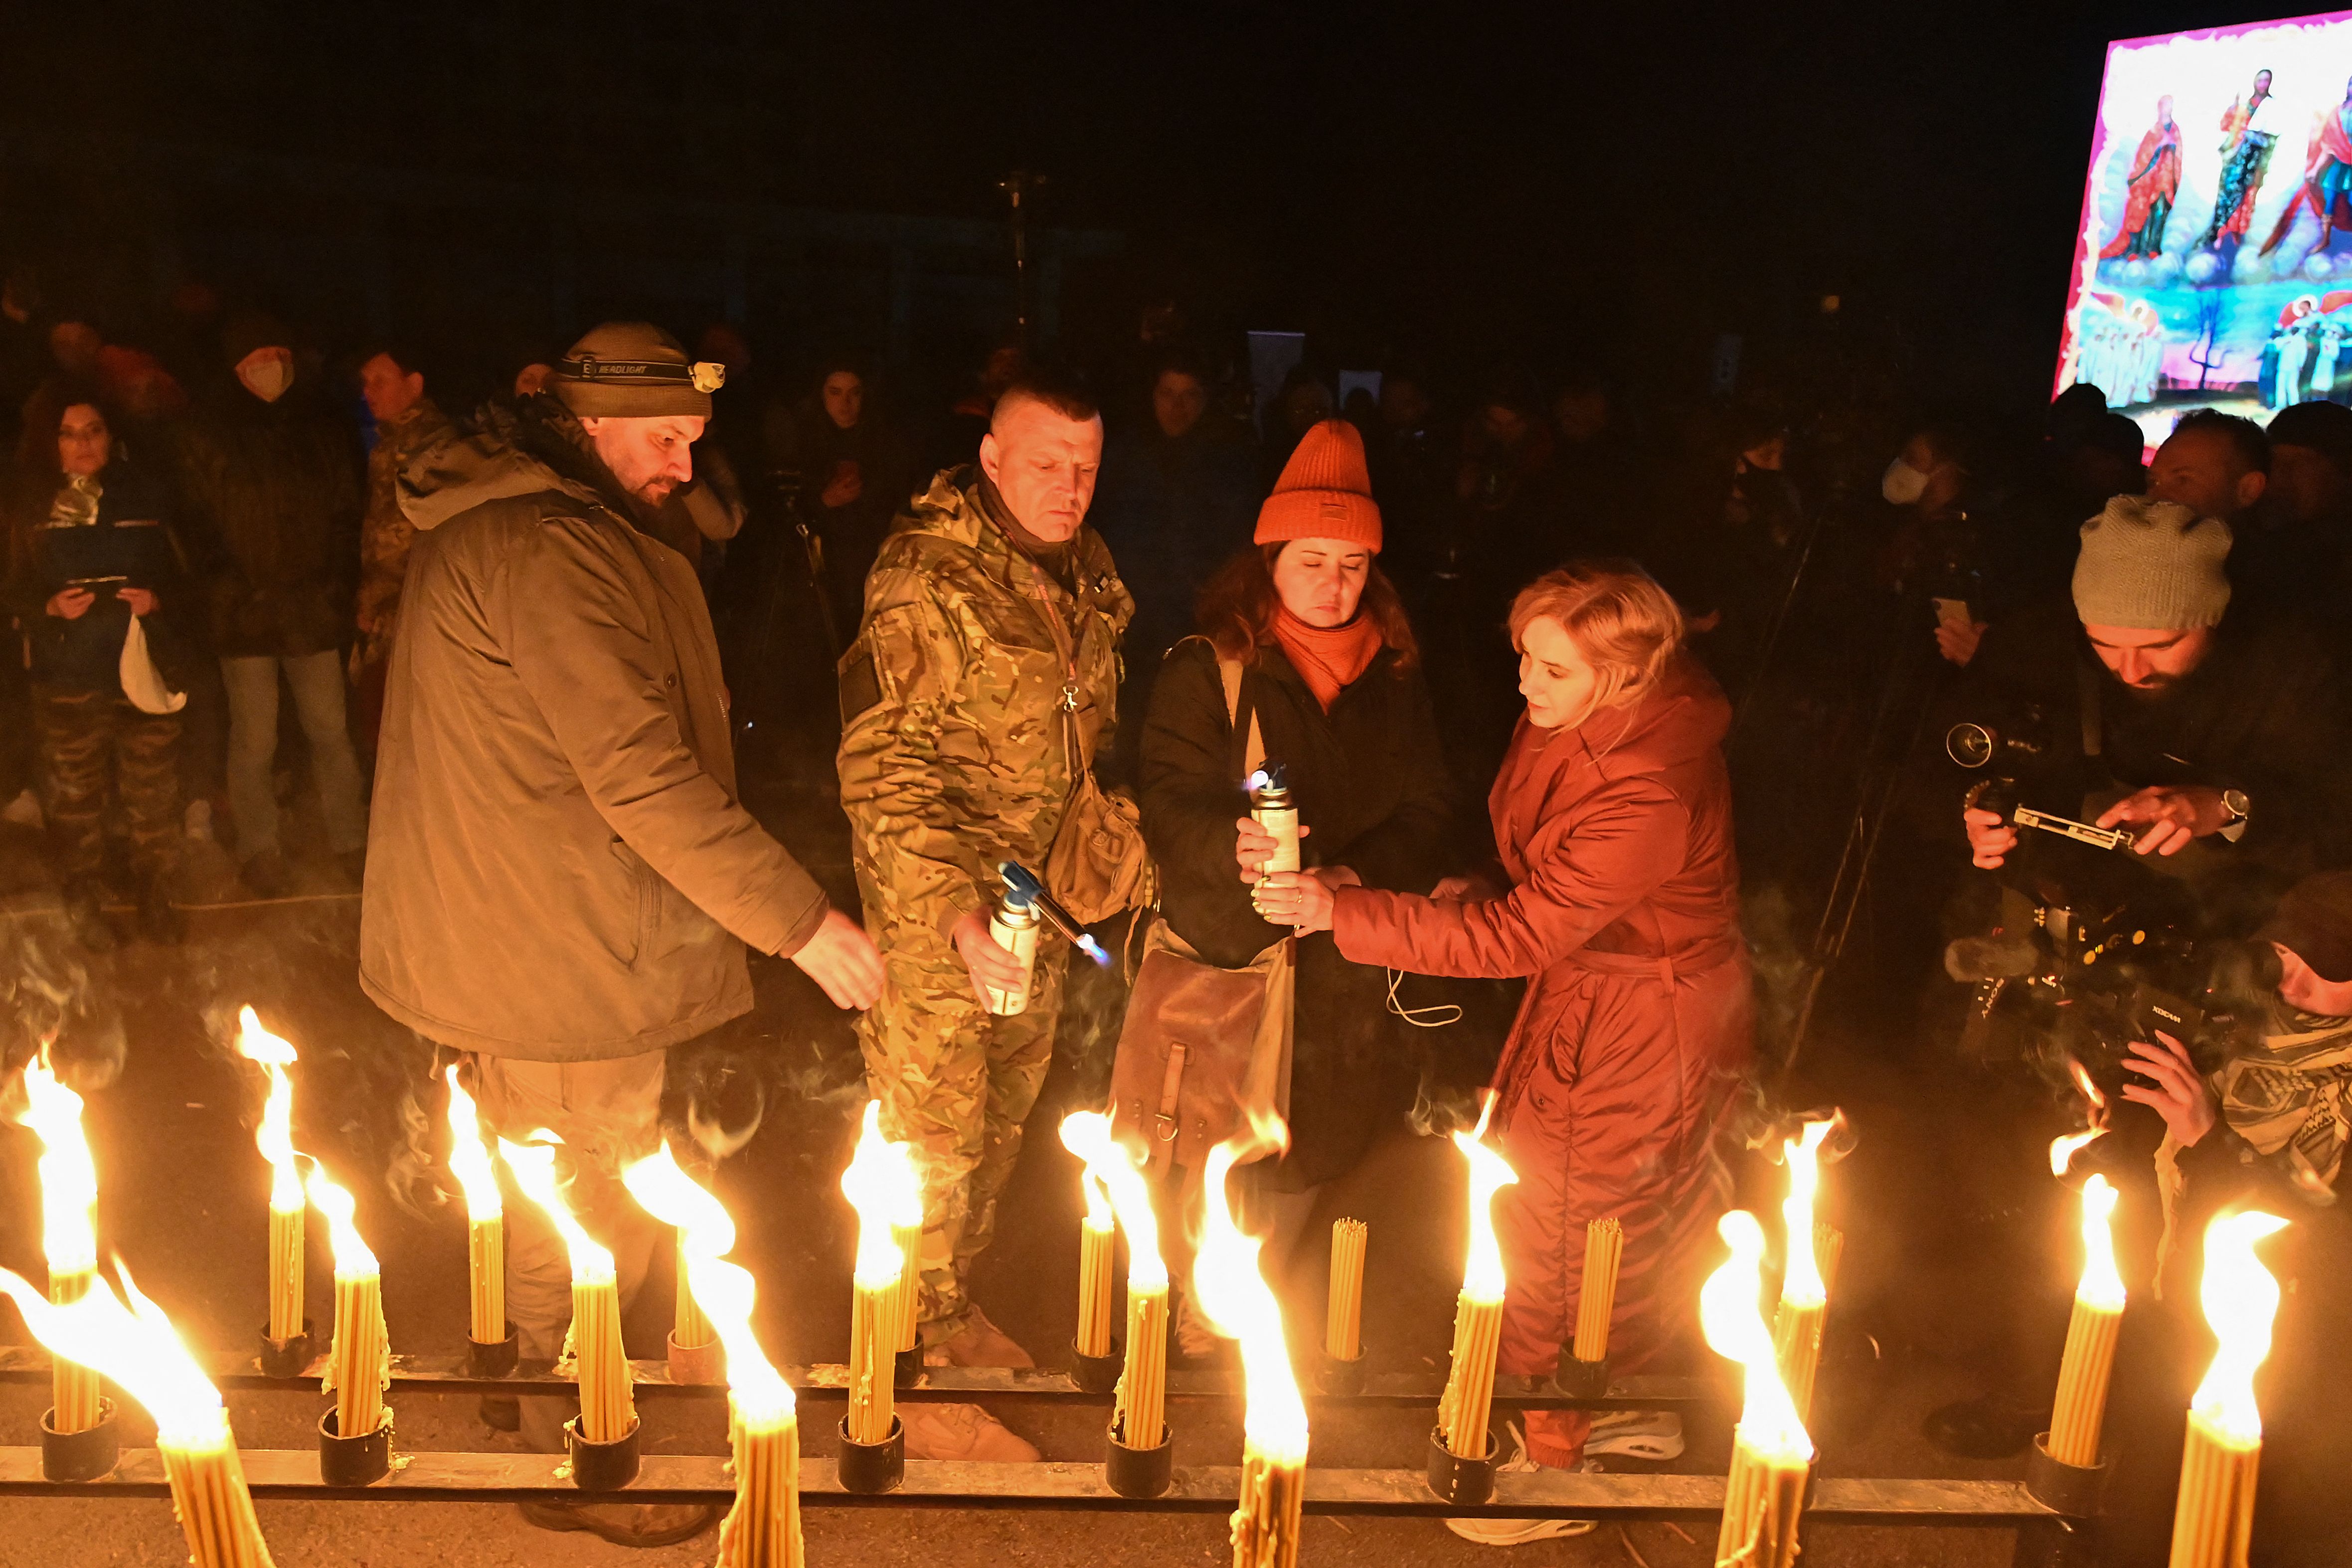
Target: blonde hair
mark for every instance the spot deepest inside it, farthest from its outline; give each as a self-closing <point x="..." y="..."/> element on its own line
<point x="1626" y="625"/>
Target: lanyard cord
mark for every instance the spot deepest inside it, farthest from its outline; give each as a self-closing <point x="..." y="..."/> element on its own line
<point x="1421" y="1017"/>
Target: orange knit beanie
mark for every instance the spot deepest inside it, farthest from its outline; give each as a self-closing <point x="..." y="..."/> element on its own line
<point x="1325" y="492"/>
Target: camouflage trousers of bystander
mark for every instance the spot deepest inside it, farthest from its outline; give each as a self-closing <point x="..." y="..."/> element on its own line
<point x="95" y="746"/>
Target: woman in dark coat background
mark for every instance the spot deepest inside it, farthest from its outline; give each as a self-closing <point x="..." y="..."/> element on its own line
<point x="1329" y="671"/>
<point x="1612" y="815"/>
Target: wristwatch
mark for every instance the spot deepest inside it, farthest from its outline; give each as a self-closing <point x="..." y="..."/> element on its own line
<point x="2234" y="825"/>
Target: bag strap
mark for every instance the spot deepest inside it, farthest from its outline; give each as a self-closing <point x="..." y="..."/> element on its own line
<point x="1229" y="671"/>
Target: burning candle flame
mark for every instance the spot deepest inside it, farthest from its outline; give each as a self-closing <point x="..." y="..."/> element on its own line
<point x="138" y="1349"/>
<point x="1237" y="1302"/>
<point x="2241" y="1298"/>
<point x="353" y="1260"/>
<point x="1802" y="1284"/>
<point x="533" y="1164"/>
<point x="2063" y="1149"/>
<point x="1482" y="1275"/>
<point x="1730" y="1310"/>
<point x="884" y="1186"/>
<point x="2090" y="1091"/>
<point x="725" y="1291"/>
<point x="69" y="1179"/>
<point x="275" y="1137"/>
<point x="1111" y="1168"/>
<point x="469" y="1158"/>
<point x="2102" y="1286"/>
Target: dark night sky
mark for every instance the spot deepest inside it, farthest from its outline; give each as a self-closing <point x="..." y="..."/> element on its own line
<point x="1474" y="174"/>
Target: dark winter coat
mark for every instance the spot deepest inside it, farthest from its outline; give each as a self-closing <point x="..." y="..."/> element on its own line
<point x="559" y="866"/>
<point x="130" y="540"/>
<point x="273" y="500"/>
<point x="1370" y="782"/>
<point x="1624" y="909"/>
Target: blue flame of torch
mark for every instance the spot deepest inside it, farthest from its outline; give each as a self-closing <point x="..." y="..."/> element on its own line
<point x="1026" y="884"/>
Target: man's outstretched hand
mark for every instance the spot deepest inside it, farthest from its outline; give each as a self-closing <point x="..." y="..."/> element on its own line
<point x="843" y="959"/>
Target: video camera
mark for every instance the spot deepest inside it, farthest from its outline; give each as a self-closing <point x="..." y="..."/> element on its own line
<point x="2093" y="950"/>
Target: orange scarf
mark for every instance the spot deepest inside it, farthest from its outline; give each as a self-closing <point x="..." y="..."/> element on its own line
<point x="1329" y="658"/>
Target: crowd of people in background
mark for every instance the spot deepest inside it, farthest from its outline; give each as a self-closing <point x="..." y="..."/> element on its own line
<point x="1779" y="599"/>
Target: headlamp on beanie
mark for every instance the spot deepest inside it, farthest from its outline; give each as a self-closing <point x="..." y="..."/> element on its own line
<point x="703" y="375"/>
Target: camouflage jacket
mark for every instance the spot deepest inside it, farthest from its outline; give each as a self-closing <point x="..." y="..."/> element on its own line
<point x="954" y="753"/>
<point x="386" y="532"/>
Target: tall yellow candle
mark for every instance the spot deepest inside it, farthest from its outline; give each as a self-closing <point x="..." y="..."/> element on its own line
<point x="907" y="1236"/>
<point x="1343" y="1318"/>
<point x="1139" y="1408"/>
<point x="688" y="1326"/>
<point x="486" y="1222"/>
<point x="592" y="1350"/>
<point x="1596" y="1297"/>
<point x="1772" y="1454"/>
<point x="68" y="1229"/>
<point x="1096" y="1236"/>
<point x="1235" y="1299"/>
<point x="358" y="1361"/>
<point x="276" y="1139"/>
<point x="762" y="1529"/>
<point x="1464" y="1411"/>
<point x="2213" y="1519"/>
<point x="881" y="1184"/>
<point x="139" y="1351"/>
<point x="2090" y="1358"/>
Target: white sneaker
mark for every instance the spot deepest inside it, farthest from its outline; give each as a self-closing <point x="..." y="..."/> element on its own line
<point x="199" y="820"/>
<point x="1520" y="1531"/>
<point x="1636" y="1434"/>
<point x="25" y="811"/>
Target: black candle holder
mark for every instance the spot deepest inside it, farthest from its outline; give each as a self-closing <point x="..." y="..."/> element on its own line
<point x="697" y="1363"/>
<point x="353" y="1461"/>
<point x="1140" y="1472"/>
<point x="80" y="1455"/>
<point x="2076" y="1491"/>
<point x="907" y="1367"/>
<point x="602" y="1467"/>
<point x="1096" y="1373"/>
<point x="1459" y="1480"/>
<point x="286" y="1358"/>
<point x="494" y="1360"/>
<point x="1582" y="1379"/>
<point x="1334" y="1375"/>
<point x="870" y="1467"/>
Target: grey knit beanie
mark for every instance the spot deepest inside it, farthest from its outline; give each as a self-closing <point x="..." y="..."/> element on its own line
<point x="2151" y="565"/>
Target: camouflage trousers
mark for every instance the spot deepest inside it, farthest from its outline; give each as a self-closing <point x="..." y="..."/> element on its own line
<point x="95" y="744"/>
<point x="956" y="1082"/>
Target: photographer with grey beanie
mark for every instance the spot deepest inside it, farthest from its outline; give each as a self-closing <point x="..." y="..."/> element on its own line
<point x="2213" y="734"/>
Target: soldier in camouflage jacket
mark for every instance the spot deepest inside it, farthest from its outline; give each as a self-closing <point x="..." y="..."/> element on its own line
<point x="990" y="607"/>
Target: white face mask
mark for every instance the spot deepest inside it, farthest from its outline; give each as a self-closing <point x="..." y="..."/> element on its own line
<point x="1902" y="484"/>
<point x="266" y="379"/>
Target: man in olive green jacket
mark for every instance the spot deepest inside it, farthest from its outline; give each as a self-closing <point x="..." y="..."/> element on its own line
<point x="991" y="629"/>
<point x="561" y="879"/>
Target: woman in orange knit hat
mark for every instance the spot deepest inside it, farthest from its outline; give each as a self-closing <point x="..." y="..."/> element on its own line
<point x="1331" y="675"/>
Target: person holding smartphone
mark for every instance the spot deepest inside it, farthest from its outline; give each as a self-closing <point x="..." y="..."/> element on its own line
<point x="93" y="573"/>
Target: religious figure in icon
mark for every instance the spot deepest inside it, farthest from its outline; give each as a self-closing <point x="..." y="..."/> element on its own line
<point x="2249" y="131"/>
<point x="2327" y="179"/>
<point x="2155" y="181"/>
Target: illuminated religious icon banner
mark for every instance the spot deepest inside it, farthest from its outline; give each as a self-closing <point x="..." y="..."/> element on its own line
<point x="2213" y="263"/>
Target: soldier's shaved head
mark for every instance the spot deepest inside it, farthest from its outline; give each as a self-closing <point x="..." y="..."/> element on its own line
<point x="1042" y="450"/>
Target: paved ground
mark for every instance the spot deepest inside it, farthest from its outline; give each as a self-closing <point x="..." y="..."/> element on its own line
<point x="183" y="1205"/>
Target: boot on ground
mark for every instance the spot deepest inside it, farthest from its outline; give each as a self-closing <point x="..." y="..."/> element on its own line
<point x="963" y="1432"/>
